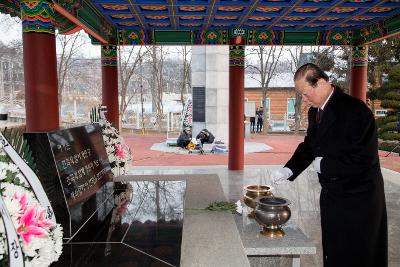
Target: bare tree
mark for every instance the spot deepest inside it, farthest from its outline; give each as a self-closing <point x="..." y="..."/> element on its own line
<point x="186" y="71"/>
<point x="157" y="57"/>
<point x="69" y="50"/>
<point x="86" y="75"/>
<point x="264" y="68"/>
<point x="294" y="63"/>
<point x="323" y="57"/>
<point x="342" y="68"/>
<point x="11" y="63"/>
<point x="128" y="63"/>
<point x="141" y="94"/>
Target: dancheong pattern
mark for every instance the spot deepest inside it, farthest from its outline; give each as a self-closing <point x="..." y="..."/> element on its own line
<point x="236" y="56"/>
<point x="109" y="55"/>
<point x="37" y="16"/>
<point x="336" y="38"/>
<point x="360" y="55"/>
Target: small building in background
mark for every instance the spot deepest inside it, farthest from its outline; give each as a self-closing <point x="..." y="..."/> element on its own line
<point x="279" y="106"/>
<point x="280" y="102"/>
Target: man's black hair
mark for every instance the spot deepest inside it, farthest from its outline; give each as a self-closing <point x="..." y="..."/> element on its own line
<point x="313" y="72"/>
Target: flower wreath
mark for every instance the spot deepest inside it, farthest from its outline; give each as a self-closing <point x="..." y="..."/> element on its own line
<point x="40" y="239"/>
<point x="187" y="115"/>
<point x="119" y="154"/>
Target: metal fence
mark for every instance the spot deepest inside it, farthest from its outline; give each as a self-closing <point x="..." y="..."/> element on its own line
<point x="168" y="122"/>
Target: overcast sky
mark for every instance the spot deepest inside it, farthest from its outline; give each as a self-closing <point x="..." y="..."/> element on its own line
<point x="11" y="30"/>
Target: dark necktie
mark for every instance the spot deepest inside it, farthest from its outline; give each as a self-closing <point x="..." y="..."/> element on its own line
<point x="319" y="115"/>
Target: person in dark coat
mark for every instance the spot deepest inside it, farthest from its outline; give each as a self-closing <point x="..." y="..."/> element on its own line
<point x="184" y="138"/>
<point x="341" y="145"/>
<point x="252" y="123"/>
<point x="260" y="119"/>
<point x="205" y="136"/>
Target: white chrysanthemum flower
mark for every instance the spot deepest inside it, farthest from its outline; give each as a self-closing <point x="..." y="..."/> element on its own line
<point x="3" y="165"/>
<point x="47" y="249"/>
<point x="12" y="205"/>
<point x="12" y="167"/>
<point x="3" y="241"/>
<point x="57" y="235"/>
<point x="22" y="179"/>
<point x="40" y="260"/>
<point x="10" y="189"/>
<point x="109" y="149"/>
<point x="35" y="244"/>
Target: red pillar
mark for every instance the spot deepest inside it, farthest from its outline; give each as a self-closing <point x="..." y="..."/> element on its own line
<point x="236" y="108"/>
<point x="359" y="72"/>
<point x="40" y="67"/>
<point x="109" y="81"/>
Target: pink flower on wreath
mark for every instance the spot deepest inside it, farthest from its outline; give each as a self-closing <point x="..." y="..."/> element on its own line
<point x="22" y="200"/>
<point x="43" y="222"/>
<point x="119" y="151"/>
<point x="30" y="225"/>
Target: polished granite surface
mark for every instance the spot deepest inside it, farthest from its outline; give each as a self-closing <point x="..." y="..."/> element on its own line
<point x="143" y="229"/>
<point x="73" y="169"/>
<point x="304" y="195"/>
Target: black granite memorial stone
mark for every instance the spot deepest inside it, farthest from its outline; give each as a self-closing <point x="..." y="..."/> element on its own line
<point x="144" y="229"/>
<point x="199" y="104"/>
<point x="75" y="173"/>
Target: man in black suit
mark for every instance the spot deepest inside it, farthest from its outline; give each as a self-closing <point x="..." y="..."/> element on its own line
<point x="252" y="123"/>
<point x="341" y="144"/>
<point x="260" y="119"/>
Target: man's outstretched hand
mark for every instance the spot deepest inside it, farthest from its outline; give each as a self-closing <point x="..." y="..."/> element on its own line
<point x="316" y="164"/>
<point x="281" y="175"/>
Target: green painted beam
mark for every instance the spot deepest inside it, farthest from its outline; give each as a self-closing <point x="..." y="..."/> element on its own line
<point x="295" y="38"/>
<point x="173" y="37"/>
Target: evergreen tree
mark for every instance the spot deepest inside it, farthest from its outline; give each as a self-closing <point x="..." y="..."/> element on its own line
<point x="382" y="56"/>
<point x="390" y="96"/>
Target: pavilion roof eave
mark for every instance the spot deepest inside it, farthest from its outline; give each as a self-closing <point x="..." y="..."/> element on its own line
<point x="78" y="23"/>
<point x="106" y="21"/>
<point x="253" y="36"/>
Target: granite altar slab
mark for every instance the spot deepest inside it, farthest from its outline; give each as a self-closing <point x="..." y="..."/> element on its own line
<point x="294" y="242"/>
<point x="208" y="238"/>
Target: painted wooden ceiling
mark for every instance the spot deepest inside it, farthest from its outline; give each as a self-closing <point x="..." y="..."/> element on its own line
<point x="258" y="22"/>
<point x="287" y="15"/>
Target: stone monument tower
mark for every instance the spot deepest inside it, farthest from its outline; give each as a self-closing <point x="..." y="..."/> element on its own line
<point x="210" y="85"/>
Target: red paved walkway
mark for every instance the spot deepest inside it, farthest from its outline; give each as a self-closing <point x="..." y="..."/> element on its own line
<point x="283" y="147"/>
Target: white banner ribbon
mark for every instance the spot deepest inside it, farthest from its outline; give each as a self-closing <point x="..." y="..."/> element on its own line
<point x="14" y="248"/>
<point x="31" y="177"/>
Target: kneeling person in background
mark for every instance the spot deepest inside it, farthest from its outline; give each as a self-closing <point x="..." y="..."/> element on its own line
<point x="184" y="138"/>
<point x="205" y="137"/>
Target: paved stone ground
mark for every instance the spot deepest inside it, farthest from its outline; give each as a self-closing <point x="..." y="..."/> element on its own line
<point x="282" y="148"/>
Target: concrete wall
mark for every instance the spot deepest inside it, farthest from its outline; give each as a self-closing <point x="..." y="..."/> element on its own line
<point x="210" y="69"/>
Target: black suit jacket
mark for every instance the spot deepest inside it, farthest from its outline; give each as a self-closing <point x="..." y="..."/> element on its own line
<point x="352" y="200"/>
<point x="345" y="138"/>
